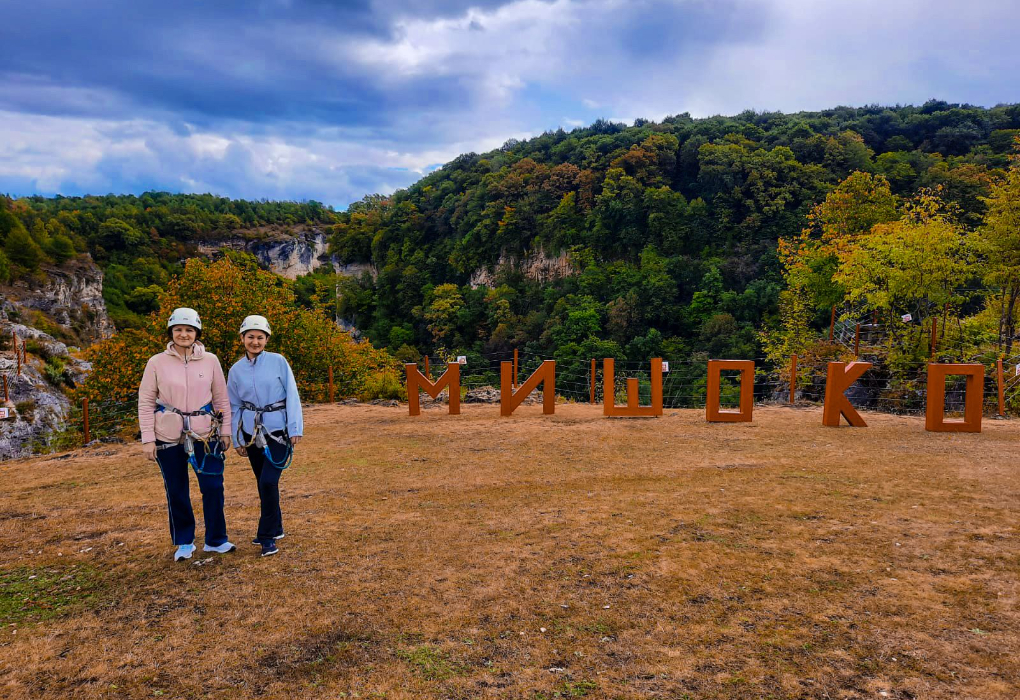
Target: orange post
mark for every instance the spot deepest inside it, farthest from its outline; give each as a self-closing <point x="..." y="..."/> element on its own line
<point x="427" y="366"/>
<point x="7" y="397"/>
<point x="593" y="380"/>
<point x="17" y="354"/>
<point x="713" y="412"/>
<point x="840" y="376"/>
<point x="793" y="379"/>
<point x="509" y="399"/>
<point x="85" y="417"/>
<point x="332" y="394"/>
<point x="1000" y="381"/>
<point x="832" y="324"/>
<point x="857" y="341"/>
<point x="416" y="381"/>
<point x="934" y="418"/>
<point x="516" y="373"/>
<point x="632" y="409"/>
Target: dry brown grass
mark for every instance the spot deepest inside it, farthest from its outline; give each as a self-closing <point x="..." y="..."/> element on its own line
<point x="663" y="558"/>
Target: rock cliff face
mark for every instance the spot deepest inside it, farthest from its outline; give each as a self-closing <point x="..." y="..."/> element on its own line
<point x="72" y="296"/>
<point x="39" y="408"/>
<point x="70" y="300"/>
<point x="289" y="255"/>
<point x="535" y="266"/>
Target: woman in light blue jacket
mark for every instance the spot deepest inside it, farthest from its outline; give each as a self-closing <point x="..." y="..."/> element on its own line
<point x="267" y="422"/>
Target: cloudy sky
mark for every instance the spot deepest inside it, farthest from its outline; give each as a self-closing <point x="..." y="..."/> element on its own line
<point x="331" y="99"/>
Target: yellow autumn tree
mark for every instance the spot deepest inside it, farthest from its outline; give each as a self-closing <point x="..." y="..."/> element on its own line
<point x="223" y="293"/>
<point x="916" y="265"/>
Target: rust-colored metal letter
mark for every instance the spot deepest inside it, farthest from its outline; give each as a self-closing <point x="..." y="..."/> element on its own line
<point x="632" y="409"/>
<point x="509" y="399"/>
<point x="838" y="379"/>
<point x="934" y="418"/>
<point x="713" y="413"/>
<point x="416" y="380"/>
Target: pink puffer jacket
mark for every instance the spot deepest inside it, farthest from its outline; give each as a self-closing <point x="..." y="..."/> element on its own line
<point x="187" y="385"/>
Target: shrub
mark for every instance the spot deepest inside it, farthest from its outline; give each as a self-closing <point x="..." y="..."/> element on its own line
<point x="384" y="385"/>
<point x="53" y="370"/>
<point x="26" y="410"/>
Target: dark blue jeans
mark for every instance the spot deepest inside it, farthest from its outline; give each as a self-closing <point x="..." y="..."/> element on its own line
<point x="173" y="463"/>
<point x="268" y="478"/>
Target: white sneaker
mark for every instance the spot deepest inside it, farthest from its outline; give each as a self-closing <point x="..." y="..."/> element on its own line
<point x="184" y="551"/>
<point x="222" y="549"/>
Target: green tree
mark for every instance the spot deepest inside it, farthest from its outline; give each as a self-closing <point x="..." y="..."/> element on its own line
<point x="22" y="250"/>
<point x="61" y="249"/>
<point x="442" y="311"/>
<point x="5" y="268"/>
<point x="998" y="240"/>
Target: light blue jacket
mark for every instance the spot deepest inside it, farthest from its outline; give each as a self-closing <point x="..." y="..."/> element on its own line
<point x="264" y="381"/>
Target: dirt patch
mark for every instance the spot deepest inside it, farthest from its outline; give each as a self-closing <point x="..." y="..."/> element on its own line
<point x="475" y="556"/>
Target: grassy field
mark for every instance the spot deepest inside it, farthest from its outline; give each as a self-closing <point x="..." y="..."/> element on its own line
<point x="533" y="557"/>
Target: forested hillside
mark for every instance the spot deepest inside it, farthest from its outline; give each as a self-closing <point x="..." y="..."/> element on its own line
<point x="671" y="227"/>
<point x="139" y="241"/>
<point x="667" y="232"/>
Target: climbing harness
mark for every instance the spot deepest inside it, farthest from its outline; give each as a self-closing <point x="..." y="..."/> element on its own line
<point x="260" y="437"/>
<point x="213" y="456"/>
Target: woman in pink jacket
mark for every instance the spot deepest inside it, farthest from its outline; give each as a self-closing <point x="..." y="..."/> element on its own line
<point x="182" y="402"/>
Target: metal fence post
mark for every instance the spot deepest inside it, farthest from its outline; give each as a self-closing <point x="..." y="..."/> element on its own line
<point x="593" y="380"/>
<point x="7" y="396"/>
<point x="832" y="324"/>
<point x="85" y="417"/>
<point x="793" y="379"/>
<point x="999" y="379"/>
<point x="857" y="341"/>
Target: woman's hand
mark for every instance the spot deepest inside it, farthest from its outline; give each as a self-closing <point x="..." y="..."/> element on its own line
<point x="149" y="450"/>
<point x="243" y="451"/>
<point x="225" y="441"/>
<point x="294" y="440"/>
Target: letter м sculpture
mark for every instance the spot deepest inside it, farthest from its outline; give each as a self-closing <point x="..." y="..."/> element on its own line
<point x="839" y="377"/>
<point x="509" y="399"/>
<point x="713" y="412"/>
<point x="935" y="410"/>
<point x="632" y="409"/>
<point x="416" y="380"/>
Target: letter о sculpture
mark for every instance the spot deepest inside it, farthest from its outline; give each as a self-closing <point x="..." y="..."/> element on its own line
<point x="935" y="411"/>
<point x="713" y="412"/>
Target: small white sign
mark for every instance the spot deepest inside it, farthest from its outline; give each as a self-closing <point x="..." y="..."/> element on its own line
<point x="462" y="359"/>
<point x="665" y="366"/>
<point x="1018" y="370"/>
<point x="5" y="413"/>
<point x="906" y="318"/>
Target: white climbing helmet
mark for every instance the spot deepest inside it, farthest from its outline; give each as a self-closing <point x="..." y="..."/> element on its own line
<point x="184" y="317"/>
<point x="255" y="323"/>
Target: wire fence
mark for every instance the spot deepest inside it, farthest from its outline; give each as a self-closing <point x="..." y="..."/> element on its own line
<point x="897" y="388"/>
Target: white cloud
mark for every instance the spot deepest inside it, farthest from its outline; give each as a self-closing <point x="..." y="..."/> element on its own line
<point x="310" y="109"/>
